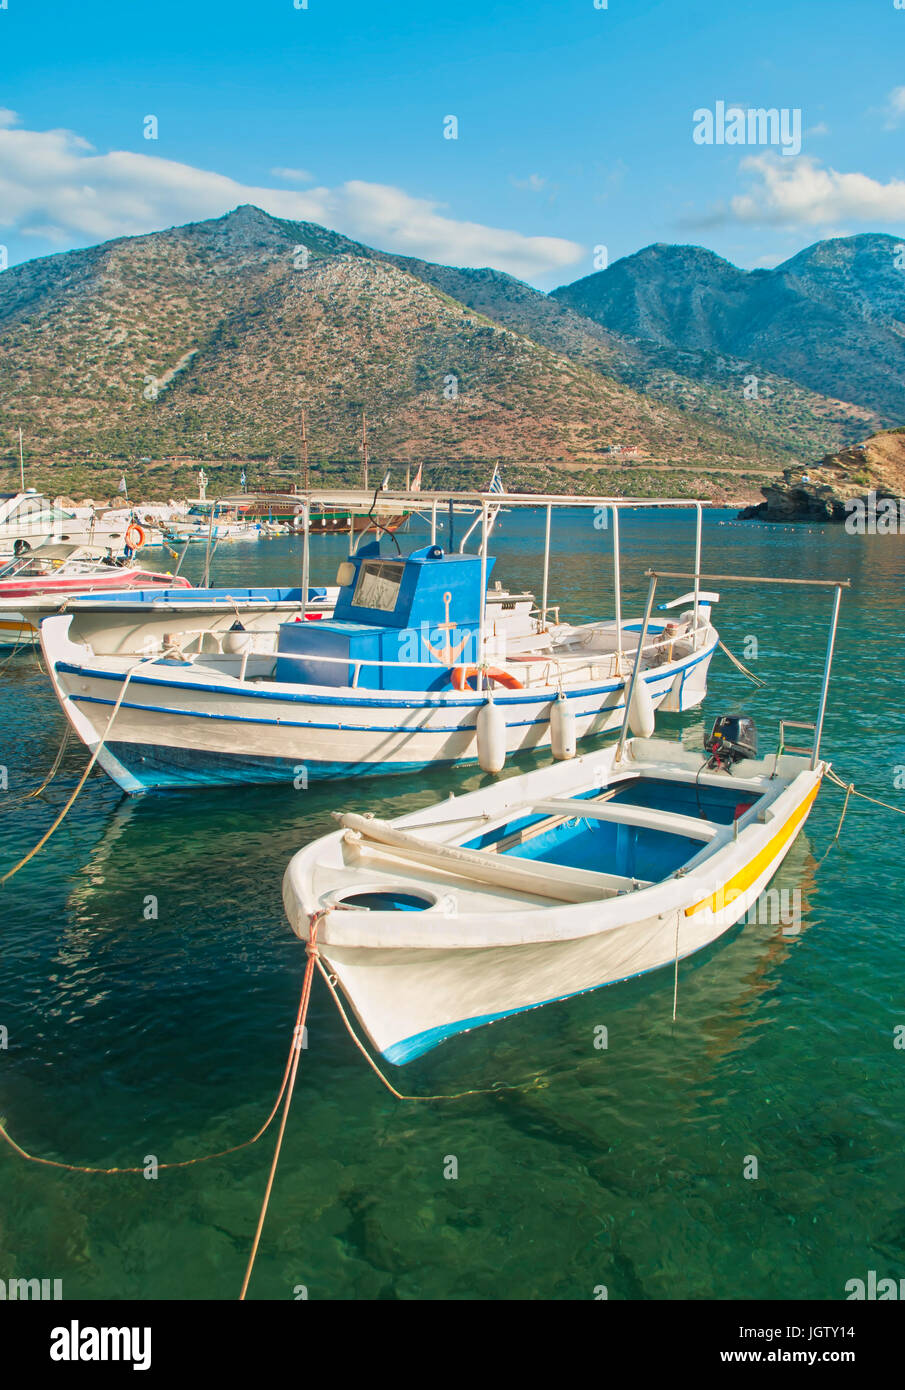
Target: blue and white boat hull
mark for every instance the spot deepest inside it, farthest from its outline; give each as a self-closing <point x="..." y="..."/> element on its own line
<point x="181" y="724"/>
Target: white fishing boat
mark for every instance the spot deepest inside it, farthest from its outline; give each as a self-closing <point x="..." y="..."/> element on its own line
<point x="549" y="884"/>
<point x="30" y="520"/>
<point x="420" y="664"/>
<point x="138" y="622"/>
<point x="38" y="582"/>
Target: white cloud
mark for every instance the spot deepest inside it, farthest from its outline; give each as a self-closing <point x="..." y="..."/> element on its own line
<point x="801" y="192"/>
<point x="532" y="184"/>
<point x="293" y="175"/>
<point x="894" y="109"/>
<point x="55" y="185"/>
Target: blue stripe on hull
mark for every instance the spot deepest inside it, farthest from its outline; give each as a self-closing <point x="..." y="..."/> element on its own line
<point x="310" y="724"/>
<point x="362" y="701"/>
<point x="409" y="1048"/>
<point x="174" y="768"/>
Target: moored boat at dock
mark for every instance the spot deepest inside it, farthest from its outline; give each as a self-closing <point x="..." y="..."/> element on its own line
<point x="421" y="664"/>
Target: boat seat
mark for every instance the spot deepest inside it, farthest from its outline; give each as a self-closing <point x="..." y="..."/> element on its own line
<point x="556" y="882"/>
<point x="645" y="817"/>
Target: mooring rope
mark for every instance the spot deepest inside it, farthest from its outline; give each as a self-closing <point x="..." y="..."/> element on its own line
<point x="295" y="1054"/>
<point x="84" y="777"/>
<point x="29" y="796"/>
<point x="744" y="670"/>
<point x="853" y="791"/>
<point x="19" y="644"/>
<point x="185" y="1162"/>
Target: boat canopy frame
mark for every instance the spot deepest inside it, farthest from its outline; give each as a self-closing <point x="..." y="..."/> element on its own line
<point x="836" y="584"/>
<point x="489" y="506"/>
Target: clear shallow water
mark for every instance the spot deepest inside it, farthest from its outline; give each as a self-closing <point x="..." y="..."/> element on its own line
<point x="622" y="1167"/>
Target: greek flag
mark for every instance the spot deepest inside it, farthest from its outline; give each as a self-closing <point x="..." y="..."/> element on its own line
<point x="496" y="482"/>
<point x="122" y="485"/>
<point x="243" y="479"/>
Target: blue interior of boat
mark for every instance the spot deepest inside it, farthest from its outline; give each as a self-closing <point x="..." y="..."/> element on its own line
<point x="390" y="900"/>
<point x="607" y="846"/>
<point x="421" y="610"/>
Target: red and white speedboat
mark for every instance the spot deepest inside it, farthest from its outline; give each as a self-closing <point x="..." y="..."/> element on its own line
<point x="39" y="582"/>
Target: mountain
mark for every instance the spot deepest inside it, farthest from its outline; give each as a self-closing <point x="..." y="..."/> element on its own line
<point x="784" y="418"/>
<point x="205" y="341"/>
<point x="831" y="319"/>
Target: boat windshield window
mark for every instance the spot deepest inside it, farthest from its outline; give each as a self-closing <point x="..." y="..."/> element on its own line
<point x="378" y="585"/>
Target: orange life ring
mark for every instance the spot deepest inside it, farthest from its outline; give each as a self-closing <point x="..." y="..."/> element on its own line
<point x="461" y="675"/>
<point x="135" y="536"/>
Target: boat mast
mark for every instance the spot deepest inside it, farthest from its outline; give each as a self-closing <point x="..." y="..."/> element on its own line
<point x="21" y="463"/>
<point x="827" y="665"/>
<point x="636" y="669"/>
<point x="546" y="569"/>
<point x="364" y="451"/>
<point x="307" y="479"/>
<point x="697" y="565"/>
<point x="617" y="588"/>
<point x="482" y="628"/>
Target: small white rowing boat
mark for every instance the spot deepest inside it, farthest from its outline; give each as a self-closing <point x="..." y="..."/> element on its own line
<point x="548" y="884"/>
<point x="542" y="886"/>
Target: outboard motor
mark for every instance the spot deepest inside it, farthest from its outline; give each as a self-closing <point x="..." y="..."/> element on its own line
<point x="732" y="738"/>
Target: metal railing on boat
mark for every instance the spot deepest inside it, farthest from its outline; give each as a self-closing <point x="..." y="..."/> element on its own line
<point x="836" y="584"/>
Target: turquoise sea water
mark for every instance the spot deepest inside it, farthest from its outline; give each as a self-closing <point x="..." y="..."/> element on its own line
<point x="621" y="1167"/>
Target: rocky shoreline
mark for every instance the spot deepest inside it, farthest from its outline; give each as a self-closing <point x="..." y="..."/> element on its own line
<point x="830" y="490"/>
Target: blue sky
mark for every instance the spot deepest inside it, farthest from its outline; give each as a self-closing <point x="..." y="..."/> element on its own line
<point x="575" y="123"/>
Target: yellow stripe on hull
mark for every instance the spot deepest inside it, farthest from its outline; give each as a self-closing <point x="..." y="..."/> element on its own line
<point x="752" y="871"/>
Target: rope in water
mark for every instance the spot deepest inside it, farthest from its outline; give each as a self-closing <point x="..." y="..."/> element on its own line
<point x="82" y="780"/>
<point x="29" y="796"/>
<point x="295" y="1054"/>
<point x="185" y="1162"/>
<point x="23" y="641"/>
<point x="853" y="791"/>
<point x="744" y="670"/>
<point x="84" y="777"/>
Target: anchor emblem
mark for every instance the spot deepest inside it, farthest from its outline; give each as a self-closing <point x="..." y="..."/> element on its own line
<point x="447" y="654"/>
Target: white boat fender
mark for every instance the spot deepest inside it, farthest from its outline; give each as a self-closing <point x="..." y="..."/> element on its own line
<point x="563" y="730"/>
<point x="491" y="735"/>
<point x="641" y="719"/>
<point x="237" y="640"/>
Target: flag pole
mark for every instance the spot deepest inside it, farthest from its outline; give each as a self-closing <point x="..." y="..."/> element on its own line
<point x="21" y="462"/>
